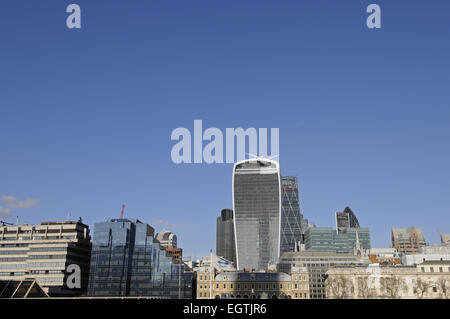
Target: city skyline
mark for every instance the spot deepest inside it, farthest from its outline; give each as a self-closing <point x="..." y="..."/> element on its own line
<point x="86" y="115"/>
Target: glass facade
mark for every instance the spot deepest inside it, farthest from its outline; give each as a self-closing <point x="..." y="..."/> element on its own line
<point x="127" y="261"/>
<point x="346" y="219"/>
<point x="257" y="210"/>
<point x="329" y="240"/>
<point x="225" y="246"/>
<point x="291" y="219"/>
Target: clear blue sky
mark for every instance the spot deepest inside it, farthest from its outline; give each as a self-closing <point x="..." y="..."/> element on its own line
<point x="86" y="115"/>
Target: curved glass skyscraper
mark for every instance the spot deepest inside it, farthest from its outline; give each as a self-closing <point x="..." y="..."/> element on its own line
<point x="257" y="212"/>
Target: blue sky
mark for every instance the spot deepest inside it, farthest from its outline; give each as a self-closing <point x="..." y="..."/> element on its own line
<point x="86" y="115"/>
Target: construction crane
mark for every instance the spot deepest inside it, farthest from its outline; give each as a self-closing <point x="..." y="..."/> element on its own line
<point x="121" y="214"/>
<point x="2" y="223"/>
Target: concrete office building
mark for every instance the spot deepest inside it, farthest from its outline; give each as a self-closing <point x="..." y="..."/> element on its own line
<point x="317" y="264"/>
<point x="225" y="239"/>
<point x="257" y="212"/>
<point x="252" y="285"/>
<point x="43" y="253"/>
<point x="408" y="240"/>
<point x="128" y="261"/>
<point x="327" y="239"/>
<point x="291" y="218"/>
<point x="430" y="280"/>
<point x="427" y="253"/>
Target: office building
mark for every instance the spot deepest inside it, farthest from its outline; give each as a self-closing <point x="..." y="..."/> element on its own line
<point x="225" y="243"/>
<point x="317" y="264"/>
<point x="408" y="240"/>
<point x="257" y="211"/>
<point x="291" y="218"/>
<point x="167" y="239"/>
<point x="128" y="261"/>
<point x="329" y="240"/>
<point x="426" y="253"/>
<point x="430" y="280"/>
<point x="346" y="219"/>
<point x="43" y="253"/>
<point x="252" y="285"/>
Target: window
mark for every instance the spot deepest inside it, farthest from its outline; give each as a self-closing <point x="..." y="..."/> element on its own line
<point x="431" y="269"/>
<point x="440" y="269"/>
<point x="224" y="286"/>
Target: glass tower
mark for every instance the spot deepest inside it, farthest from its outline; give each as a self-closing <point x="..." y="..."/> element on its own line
<point x="225" y="246"/>
<point x="128" y="261"/>
<point x="257" y="212"/>
<point x="346" y="219"/>
<point x="291" y="219"/>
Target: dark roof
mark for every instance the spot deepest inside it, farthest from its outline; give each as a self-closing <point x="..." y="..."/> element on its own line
<point x="436" y="262"/>
<point x="21" y="289"/>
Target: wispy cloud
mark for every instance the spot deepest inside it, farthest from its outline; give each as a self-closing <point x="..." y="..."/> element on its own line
<point x="5" y="212"/>
<point x="165" y="223"/>
<point x="12" y="201"/>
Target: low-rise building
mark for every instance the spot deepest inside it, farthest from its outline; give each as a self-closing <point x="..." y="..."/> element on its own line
<point x="317" y="264"/>
<point x="429" y="280"/>
<point x="384" y="256"/>
<point x="252" y="285"/>
<point x="426" y="253"/>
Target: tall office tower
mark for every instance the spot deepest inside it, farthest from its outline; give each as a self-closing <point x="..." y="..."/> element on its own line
<point x="408" y="240"/>
<point x="225" y="245"/>
<point x="291" y="219"/>
<point x="257" y="212"/>
<point x="44" y="253"/>
<point x="128" y="261"/>
<point x="346" y="219"/>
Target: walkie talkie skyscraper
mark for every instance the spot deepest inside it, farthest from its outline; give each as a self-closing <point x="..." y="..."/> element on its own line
<point x="257" y="212"/>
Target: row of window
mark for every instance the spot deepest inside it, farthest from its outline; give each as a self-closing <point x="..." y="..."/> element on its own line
<point x="252" y="286"/>
<point x="297" y="295"/>
<point x="441" y="269"/>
